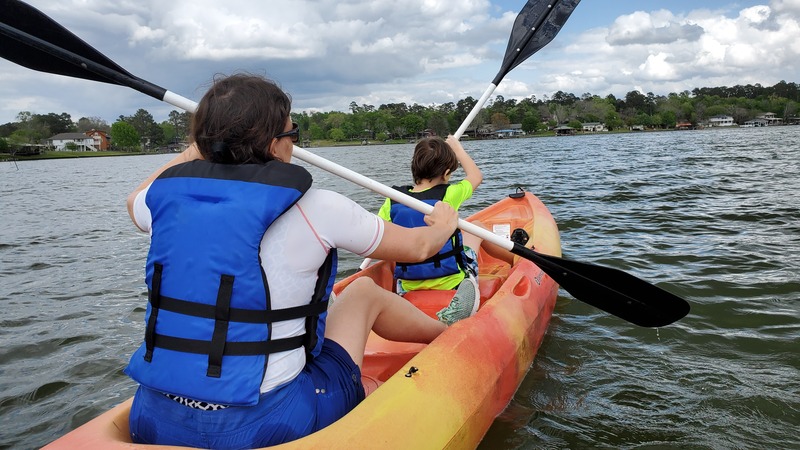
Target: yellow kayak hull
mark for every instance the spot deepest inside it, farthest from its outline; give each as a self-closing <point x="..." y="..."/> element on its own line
<point x="442" y="395"/>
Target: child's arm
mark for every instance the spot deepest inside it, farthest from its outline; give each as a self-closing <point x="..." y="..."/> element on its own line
<point x="473" y="173"/>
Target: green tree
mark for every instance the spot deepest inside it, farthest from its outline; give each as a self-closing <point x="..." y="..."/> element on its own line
<point x="56" y="123"/>
<point x="30" y="129"/>
<point x="124" y="136"/>
<point x="500" y="121"/>
<point x="413" y="124"/>
<point x="668" y="119"/>
<point x="316" y="132"/>
<point x="7" y="128"/>
<point x="613" y="121"/>
<point x="180" y="121"/>
<point x="168" y="130"/>
<point x="92" y="123"/>
<point x="146" y="127"/>
<point x="336" y="134"/>
<point x="463" y="108"/>
<point x="438" y="123"/>
<point x="531" y="123"/>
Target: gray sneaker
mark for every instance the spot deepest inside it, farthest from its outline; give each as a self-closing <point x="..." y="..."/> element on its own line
<point x="464" y="304"/>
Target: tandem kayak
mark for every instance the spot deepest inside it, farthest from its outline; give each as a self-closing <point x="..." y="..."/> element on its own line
<point x="445" y="394"/>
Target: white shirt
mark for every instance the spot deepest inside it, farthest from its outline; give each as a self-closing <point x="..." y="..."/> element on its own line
<point x="292" y="250"/>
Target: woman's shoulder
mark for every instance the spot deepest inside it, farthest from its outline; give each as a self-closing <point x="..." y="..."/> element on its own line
<point x="326" y="199"/>
<point x="315" y="194"/>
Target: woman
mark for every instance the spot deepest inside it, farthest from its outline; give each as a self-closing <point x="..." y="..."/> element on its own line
<point x="241" y="349"/>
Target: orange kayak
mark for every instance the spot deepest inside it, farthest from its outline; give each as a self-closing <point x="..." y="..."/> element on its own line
<point x="445" y="394"/>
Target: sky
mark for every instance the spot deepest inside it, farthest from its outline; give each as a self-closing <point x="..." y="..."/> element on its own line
<point x="329" y="53"/>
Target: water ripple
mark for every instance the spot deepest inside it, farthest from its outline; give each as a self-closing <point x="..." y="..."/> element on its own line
<point x="711" y="215"/>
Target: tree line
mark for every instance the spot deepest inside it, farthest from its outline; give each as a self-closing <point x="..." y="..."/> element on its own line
<point x="402" y="121"/>
<point x="128" y="133"/>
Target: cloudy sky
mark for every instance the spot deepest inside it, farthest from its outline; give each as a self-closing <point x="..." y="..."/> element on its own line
<point x="328" y="53"/>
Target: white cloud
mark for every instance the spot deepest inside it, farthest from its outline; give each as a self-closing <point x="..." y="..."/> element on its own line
<point x="658" y="68"/>
<point x="327" y="53"/>
<point x="665" y="52"/>
<point x="660" y="27"/>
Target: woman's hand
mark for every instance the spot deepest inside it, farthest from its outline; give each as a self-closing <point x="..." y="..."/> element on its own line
<point x="443" y="215"/>
<point x="419" y="243"/>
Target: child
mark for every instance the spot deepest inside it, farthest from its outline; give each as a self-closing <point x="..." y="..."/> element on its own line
<point x="456" y="265"/>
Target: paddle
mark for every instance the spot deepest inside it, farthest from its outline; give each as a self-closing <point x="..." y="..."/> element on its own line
<point x="611" y="290"/>
<point x="536" y="25"/>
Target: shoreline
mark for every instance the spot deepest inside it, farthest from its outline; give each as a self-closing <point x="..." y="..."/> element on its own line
<point x="7" y="157"/>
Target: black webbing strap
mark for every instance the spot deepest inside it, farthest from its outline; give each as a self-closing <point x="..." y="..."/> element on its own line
<point x="320" y="289"/>
<point x="249" y="348"/>
<point x="239" y="314"/>
<point x="155" y="303"/>
<point x="437" y="259"/>
<point x="222" y="320"/>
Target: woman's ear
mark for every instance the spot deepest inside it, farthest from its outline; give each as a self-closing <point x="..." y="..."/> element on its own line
<point x="272" y="150"/>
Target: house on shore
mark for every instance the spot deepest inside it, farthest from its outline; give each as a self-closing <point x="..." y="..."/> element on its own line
<point x="771" y="118"/>
<point x="513" y="130"/>
<point x="102" y="141"/>
<point x="593" y="127"/>
<point x="754" y="123"/>
<point x="72" y="142"/>
<point x="565" y="130"/>
<point x="90" y="141"/>
<point x="721" y="121"/>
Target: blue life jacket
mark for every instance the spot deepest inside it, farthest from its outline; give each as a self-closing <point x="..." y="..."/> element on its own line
<point x="209" y="314"/>
<point x="451" y="258"/>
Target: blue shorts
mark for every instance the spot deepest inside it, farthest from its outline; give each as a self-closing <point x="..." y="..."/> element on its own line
<point x="327" y="389"/>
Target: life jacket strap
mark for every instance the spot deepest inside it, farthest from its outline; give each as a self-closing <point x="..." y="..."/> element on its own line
<point x="320" y="289"/>
<point x="456" y="251"/>
<point x="241" y="315"/>
<point x="221" y="321"/>
<point x="248" y="348"/>
<point x="155" y="304"/>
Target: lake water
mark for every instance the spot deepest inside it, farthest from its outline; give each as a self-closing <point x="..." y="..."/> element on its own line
<point x="711" y="215"/>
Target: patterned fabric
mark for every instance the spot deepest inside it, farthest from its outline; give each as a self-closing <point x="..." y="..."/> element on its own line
<point x="196" y="404"/>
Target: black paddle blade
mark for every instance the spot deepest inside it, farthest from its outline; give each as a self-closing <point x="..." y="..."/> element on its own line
<point x="33" y="40"/>
<point x="29" y="20"/>
<point x="536" y="25"/>
<point x="612" y="290"/>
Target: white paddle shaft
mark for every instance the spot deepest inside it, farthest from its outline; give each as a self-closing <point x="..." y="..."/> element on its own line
<point x="475" y="110"/>
<point x="366" y="182"/>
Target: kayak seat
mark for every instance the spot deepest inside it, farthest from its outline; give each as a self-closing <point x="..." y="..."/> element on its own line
<point x="489" y="284"/>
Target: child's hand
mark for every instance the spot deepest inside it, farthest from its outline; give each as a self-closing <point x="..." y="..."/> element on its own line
<point x="452" y="141"/>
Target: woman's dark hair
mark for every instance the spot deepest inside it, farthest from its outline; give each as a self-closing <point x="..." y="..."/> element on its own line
<point x="432" y="158"/>
<point x="238" y="117"/>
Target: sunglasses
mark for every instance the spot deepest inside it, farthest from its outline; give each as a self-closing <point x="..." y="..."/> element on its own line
<point x="294" y="133"/>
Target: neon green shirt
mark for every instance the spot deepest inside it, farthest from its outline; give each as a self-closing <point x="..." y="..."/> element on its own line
<point x="456" y="195"/>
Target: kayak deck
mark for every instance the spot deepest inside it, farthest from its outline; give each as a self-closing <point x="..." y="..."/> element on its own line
<point x="445" y="394"/>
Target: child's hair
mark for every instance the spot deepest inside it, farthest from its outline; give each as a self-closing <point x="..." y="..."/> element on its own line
<point x="432" y="158"/>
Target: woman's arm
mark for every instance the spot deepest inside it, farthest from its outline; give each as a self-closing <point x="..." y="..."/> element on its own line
<point x="190" y="154"/>
<point x="420" y="243"/>
<point x="473" y="173"/>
